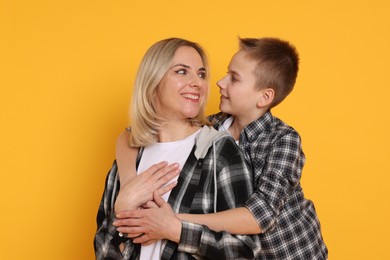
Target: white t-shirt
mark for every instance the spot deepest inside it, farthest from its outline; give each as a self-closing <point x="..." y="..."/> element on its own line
<point x="171" y="152"/>
<point x="226" y="124"/>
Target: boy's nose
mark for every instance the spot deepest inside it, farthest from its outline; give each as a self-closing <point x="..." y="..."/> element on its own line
<point x="221" y="82"/>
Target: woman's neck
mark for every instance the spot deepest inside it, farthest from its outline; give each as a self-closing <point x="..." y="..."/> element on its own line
<point x="175" y="131"/>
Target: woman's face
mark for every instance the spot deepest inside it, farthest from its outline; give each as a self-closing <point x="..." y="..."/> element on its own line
<point x="183" y="89"/>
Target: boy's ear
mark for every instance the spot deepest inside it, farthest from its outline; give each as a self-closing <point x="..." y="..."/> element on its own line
<point x="266" y="97"/>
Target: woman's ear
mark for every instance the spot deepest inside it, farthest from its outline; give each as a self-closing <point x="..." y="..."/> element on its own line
<point x="266" y="97"/>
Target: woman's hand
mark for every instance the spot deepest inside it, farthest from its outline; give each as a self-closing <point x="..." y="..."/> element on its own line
<point x="139" y="190"/>
<point x="152" y="223"/>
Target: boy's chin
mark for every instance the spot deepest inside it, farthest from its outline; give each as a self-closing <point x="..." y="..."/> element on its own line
<point x="224" y="109"/>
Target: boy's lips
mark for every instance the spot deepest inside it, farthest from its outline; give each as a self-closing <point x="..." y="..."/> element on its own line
<point x="223" y="96"/>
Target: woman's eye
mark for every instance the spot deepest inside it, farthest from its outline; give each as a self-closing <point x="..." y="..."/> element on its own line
<point x="202" y="75"/>
<point x="182" y="71"/>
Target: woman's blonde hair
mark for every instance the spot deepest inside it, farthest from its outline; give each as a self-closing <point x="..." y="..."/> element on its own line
<point x="145" y="123"/>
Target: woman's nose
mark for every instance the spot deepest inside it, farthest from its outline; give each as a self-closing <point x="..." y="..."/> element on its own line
<point x="196" y="81"/>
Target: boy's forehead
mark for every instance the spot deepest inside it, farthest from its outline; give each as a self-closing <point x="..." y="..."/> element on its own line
<point x="241" y="59"/>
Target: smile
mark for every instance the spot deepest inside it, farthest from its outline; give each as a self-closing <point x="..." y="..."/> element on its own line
<point x="190" y="96"/>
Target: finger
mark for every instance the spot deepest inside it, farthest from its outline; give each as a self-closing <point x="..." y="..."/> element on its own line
<point x="129" y="222"/>
<point x="149" y="242"/>
<point x="131" y="231"/>
<point x="155" y="168"/>
<point x="134" y="235"/>
<point x="157" y="199"/>
<point x="164" y="189"/>
<point x="129" y="214"/>
<point x="150" y="204"/>
<point x="166" y="174"/>
<point x="142" y="239"/>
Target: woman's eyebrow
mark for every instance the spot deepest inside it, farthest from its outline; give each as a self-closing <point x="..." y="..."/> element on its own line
<point x="181" y="65"/>
<point x="186" y="66"/>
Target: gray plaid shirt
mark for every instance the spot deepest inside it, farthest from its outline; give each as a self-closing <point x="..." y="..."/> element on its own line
<point x="193" y="194"/>
<point x="289" y="223"/>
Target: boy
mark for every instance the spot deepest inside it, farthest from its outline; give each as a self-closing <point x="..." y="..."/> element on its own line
<point x="260" y="75"/>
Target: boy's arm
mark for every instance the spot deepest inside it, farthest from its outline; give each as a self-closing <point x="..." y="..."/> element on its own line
<point x="277" y="180"/>
<point x="125" y="158"/>
<point x="234" y="185"/>
<point x="226" y="221"/>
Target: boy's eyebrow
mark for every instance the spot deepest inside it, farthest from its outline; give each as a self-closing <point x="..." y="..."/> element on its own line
<point x="234" y="73"/>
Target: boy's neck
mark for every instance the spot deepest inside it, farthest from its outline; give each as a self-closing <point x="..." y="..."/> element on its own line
<point x="240" y="123"/>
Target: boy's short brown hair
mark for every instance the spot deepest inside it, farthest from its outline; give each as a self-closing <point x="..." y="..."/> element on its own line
<point x="277" y="64"/>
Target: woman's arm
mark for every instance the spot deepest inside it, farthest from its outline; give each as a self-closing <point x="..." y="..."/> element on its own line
<point x="107" y="242"/>
<point x="226" y="221"/>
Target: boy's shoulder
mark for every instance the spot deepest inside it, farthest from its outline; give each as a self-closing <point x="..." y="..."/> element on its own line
<point x="267" y="124"/>
<point x="282" y="125"/>
<point x="271" y="125"/>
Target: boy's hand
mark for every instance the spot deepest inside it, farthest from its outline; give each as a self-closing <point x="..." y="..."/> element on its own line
<point x="152" y="223"/>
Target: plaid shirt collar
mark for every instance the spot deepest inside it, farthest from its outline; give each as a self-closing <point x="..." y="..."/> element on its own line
<point x="257" y="127"/>
<point x="251" y="131"/>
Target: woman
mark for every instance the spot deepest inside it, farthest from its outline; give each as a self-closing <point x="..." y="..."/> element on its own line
<point x="170" y="94"/>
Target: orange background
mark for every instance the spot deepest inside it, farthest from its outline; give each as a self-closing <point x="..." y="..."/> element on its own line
<point x="66" y="73"/>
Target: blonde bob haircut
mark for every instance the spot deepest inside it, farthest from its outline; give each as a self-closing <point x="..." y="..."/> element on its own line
<point x="145" y="123"/>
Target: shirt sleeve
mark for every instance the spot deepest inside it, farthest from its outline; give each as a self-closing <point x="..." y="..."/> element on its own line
<point x="199" y="240"/>
<point x="235" y="184"/>
<point x="107" y="239"/>
<point x="278" y="178"/>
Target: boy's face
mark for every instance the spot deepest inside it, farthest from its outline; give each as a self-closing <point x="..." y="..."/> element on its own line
<point x="239" y="96"/>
